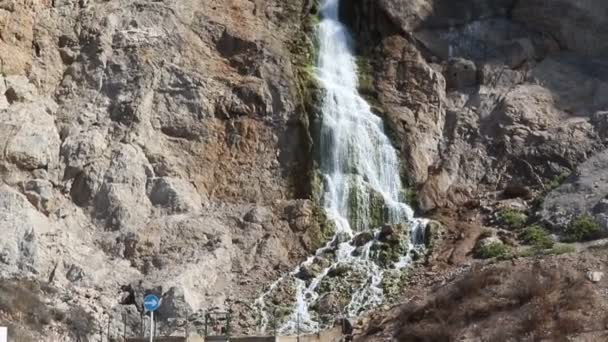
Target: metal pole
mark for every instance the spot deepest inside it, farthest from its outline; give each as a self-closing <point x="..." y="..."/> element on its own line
<point x="151" y="326"/>
<point x="298" y="325"/>
<point x="109" y="323"/>
<point x="124" y="327"/>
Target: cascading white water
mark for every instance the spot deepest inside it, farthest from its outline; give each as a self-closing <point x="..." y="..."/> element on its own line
<point x="360" y="169"/>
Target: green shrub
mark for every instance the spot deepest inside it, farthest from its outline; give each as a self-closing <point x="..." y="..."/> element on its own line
<point x="512" y="218"/>
<point x="556" y="182"/>
<point x="582" y="228"/>
<point x="486" y="233"/>
<point x="496" y="250"/>
<point x="537" y="237"/>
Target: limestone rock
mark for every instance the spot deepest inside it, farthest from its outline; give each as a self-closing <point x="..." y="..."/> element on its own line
<point x="582" y="193"/>
<point x="257" y="215"/>
<point x="19" y="89"/>
<point x="461" y="73"/>
<point x="122" y="202"/>
<point x="22" y="226"/>
<point x="30" y="138"/>
<point x="175" y="194"/>
<point x="174" y="305"/>
<point x="40" y="193"/>
<point x="575" y="24"/>
<point x="594" y="276"/>
<point x="362" y="238"/>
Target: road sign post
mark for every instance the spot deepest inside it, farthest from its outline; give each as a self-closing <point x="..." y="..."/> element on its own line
<point x="151" y="303"/>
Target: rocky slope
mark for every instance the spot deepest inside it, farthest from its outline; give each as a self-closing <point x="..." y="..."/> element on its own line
<point x="164" y="146"/>
<point x="499" y="109"/>
<point x="151" y="146"/>
<point x="489" y="100"/>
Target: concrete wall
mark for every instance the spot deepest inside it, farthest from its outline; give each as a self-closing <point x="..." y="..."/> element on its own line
<point x="331" y="335"/>
<point x="158" y="339"/>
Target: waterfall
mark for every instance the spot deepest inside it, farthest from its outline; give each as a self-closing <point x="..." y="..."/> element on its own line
<point x="362" y="191"/>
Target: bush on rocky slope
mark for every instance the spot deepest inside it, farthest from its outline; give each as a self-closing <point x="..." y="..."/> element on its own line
<point x="496" y="250"/>
<point x="538" y="237"/>
<point x="511" y="218"/>
<point x="582" y="228"/>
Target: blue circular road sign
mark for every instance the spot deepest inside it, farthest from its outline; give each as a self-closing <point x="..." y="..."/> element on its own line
<point x="151" y="302"/>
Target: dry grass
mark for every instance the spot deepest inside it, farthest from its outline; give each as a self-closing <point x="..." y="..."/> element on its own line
<point x="22" y="301"/>
<point x="503" y="304"/>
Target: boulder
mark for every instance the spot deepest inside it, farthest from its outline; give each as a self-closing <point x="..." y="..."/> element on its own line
<point x="22" y="225"/>
<point x="584" y="192"/>
<point x="594" y="276"/>
<point x="460" y="73"/>
<point x="121" y="201"/>
<point x="81" y="149"/>
<point x="40" y="193"/>
<point x="29" y="136"/>
<point x="19" y="89"/>
<point x="175" y="194"/>
<point x="258" y="215"/>
<point x="174" y="305"/>
<point x="362" y="239"/>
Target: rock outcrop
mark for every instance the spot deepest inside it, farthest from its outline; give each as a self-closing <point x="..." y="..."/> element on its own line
<point x="153" y="145"/>
<point x="486" y="96"/>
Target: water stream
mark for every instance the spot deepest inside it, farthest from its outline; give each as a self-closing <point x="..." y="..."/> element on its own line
<point x="362" y="192"/>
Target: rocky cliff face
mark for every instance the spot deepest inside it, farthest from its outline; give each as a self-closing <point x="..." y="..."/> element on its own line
<point x="163" y="146"/>
<point x="499" y="110"/>
<point x="152" y="145"/>
<point x="488" y="100"/>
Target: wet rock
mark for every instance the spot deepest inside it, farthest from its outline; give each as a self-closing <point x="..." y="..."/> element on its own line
<point x="391" y="233"/>
<point x="362" y="239"/>
<point x="310" y="271"/>
<point x="339" y="270"/>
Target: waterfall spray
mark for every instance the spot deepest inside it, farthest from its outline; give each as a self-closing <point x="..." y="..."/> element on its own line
<point x="362" y="189"/>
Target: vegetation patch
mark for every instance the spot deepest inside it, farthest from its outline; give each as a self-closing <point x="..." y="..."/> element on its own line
<point x="411" y="198"/>
<point x="492" y="250"/>
<point x="537" y="237"/>
<point x="556" y="182"/>
<point x="511" y="218"/>
<point x="583" y="228"/>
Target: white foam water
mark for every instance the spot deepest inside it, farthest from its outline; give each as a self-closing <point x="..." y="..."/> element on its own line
<point x="359" y="166"/>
